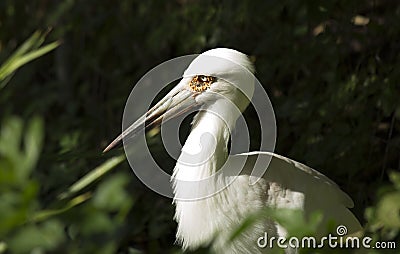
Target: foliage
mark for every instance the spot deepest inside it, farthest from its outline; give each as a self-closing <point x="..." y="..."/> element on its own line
<point x="27" y="52"/>
<point x="329" y="67"/>
<point x="384" y="218"/>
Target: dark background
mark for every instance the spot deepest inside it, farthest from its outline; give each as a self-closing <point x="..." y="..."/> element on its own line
<point x="329" y="67"/>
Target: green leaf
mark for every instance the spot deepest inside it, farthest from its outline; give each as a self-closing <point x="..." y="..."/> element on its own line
<point x="395" y="178"/>
<point x="292" y="220"/>
<point x="10" y="138"/>
<point x="45" y="214"/>
<point x="27" y="52"/>
<point x="110" y="194"/>
<point x="33" y="142"/>
<point x="21" y="161"/>
<point x="388" y="211"/>
<point x="37" y="237"/>
<point x="92" y="176"/>
<point x="21" y="60"/>
<point x="247" y="223"/>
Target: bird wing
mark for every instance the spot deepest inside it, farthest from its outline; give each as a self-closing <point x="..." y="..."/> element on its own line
<point x="293" y="185"/>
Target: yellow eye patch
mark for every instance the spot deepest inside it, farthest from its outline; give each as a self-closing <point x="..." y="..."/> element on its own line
<point x="201" y="83"/>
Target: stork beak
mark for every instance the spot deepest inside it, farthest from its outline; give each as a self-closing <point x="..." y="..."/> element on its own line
<point x="177" y="102"/>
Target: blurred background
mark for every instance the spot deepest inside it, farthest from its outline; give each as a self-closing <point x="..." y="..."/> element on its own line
<point x="331" y="69"/>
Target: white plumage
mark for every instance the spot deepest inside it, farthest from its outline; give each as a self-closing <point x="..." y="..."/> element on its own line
<point x="286" y="183"/>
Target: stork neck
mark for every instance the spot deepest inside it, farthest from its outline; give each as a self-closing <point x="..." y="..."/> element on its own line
<point x="206" y="148"/>
<point x="204" y="153"/>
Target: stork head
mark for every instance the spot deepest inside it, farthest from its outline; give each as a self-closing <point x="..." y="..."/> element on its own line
<point x="216" y="75"/>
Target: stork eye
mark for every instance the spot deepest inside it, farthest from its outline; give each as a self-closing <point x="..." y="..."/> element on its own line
<point x="201" y="83"/>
